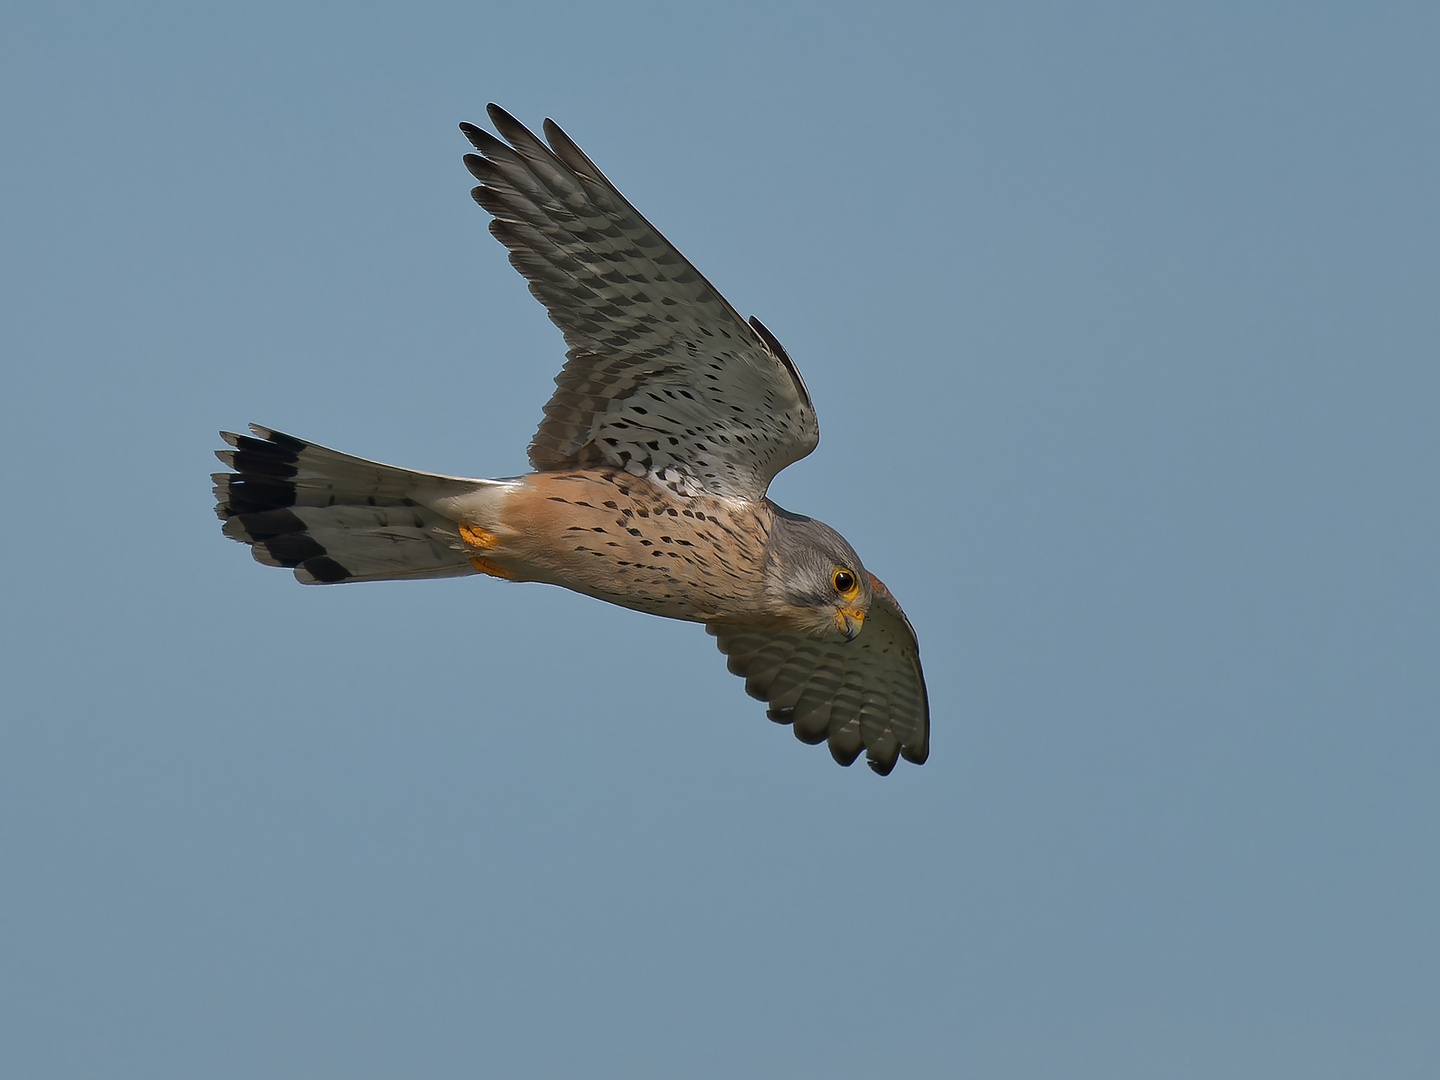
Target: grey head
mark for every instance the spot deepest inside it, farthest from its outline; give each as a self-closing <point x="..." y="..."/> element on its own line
<point x="814" y="581"/>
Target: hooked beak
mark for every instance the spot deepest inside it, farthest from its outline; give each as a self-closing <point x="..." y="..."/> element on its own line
<point x="849" y="621"/>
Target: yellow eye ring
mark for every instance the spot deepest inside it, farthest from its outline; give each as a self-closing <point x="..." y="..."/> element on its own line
<point x="844" y="582"/>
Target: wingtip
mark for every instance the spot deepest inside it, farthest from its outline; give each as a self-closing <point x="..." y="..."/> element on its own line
<point x="506" y="124"/>
<point x="916" y="755"/>
<point x="843" y="752"/>
<point x="510" y="130"/>
<point x="475" y="135"/>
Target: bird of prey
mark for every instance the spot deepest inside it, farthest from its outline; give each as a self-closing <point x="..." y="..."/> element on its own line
<point x="669" y="420"/>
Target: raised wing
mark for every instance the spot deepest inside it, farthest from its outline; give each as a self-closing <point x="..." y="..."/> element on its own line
<point x="867" y="694"/>
<point x="663" y="375"/>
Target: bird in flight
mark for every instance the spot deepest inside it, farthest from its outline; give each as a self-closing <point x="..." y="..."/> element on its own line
<point x="670" y="418"/>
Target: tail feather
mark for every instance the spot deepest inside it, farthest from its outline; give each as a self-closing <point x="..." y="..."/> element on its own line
<point x="331" y="517"/>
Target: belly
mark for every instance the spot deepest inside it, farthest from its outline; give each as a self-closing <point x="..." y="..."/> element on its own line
<point x="627" y="540"/>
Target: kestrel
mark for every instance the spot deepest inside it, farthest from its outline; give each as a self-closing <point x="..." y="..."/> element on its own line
<point x="670" y="418"/>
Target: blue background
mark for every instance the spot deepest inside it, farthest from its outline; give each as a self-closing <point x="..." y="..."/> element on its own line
<point x="1120" y="320"/>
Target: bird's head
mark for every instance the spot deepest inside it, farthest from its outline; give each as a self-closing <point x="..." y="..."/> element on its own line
<point x="814" y="581"/>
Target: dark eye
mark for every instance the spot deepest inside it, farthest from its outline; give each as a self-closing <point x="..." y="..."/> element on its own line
<point x="844" y="582"/>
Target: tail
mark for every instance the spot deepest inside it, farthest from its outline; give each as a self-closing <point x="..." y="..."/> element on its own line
<point x="332" y="517"/>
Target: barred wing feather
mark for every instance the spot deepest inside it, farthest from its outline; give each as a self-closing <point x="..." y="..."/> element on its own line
<point x="663" y="375"/>
<point x="867" y="694"/>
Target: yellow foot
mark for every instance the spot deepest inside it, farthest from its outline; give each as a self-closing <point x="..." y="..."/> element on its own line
<point x="484" y="540"/>
<point x="477" y="537"/>
<point x="485" y="566"/>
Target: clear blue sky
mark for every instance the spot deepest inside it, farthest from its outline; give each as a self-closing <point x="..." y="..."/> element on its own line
<point x="1121" y="324"/>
